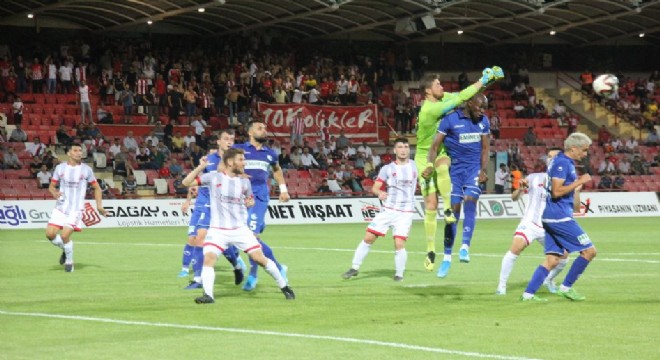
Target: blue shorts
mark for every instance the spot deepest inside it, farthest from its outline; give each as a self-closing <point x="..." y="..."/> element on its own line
<point x="464" y="182"/>
<point x="565" y="235"/>
<point x="201" y="218"/>
<point x="257" y="214"/>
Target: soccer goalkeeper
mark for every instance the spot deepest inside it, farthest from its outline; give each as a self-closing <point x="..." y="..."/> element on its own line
<point x="437" y="104"/>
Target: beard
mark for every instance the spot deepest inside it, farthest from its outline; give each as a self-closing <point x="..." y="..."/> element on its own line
<point x="261" y="140"/>
<point x="237" y="171"/>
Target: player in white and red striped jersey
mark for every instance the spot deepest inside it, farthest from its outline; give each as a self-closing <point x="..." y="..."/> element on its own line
<point x="141" y="90"/>
<point x="397" y="209"/>
<point x="231" y="195"/>
<point x="68" y="186"/>
<point x="530" y="227"/>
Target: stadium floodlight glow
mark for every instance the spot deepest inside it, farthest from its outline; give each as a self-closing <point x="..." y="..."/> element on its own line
<point x="149" y="22"/>
<point x="552" y="32"/>
<point x="642" y="35"/>
<point x="460" y="32"/>
<point x="30" y="16"/>
<point x="201" y="10"/>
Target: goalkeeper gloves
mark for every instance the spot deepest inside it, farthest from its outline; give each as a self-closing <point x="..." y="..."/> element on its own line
<point x="498" y="72"/>
<point x="487" y="76"/>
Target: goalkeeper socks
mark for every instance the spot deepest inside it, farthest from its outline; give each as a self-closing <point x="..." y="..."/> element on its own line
<point x="68" y="252"/>
<point x="444" y="185"/>
<point x="470" y="212"/>
<point x="58" y="241"/>
<point x="198" y="261"/>
<point x="360" y="253"/>
<point x="508" y="261"/>
<point x="187" y="256"/>
<point x="273" y="271"/>
<point x="554" y="272"/>
<point x="579" y="265"/>
<point x="231" y="254"/>
<point x="430" y="228"/>
<point x="400" y="258"/>
<point x="537" y="280"/>
<point x="208" y="280"/>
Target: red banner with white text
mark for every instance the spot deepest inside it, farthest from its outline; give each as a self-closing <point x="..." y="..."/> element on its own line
<point x="360" y="123"/>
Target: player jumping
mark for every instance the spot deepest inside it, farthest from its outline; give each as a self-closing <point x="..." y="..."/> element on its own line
<point x="436" y="105"/>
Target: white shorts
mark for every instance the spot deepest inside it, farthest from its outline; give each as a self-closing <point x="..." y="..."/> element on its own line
<point x="530" y="232"/>
<point x="399" y="221"/>
<point x="217" y="240"/>
<point x="60" y="219"/>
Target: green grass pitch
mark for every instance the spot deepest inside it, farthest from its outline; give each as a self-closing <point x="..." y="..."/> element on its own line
<point x="125" y="301"/>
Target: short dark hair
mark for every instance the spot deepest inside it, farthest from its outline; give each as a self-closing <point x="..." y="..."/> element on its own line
<point x="72" y="145"/>
<point x="213" y="146"/>
<point x="255" y="121"/>
<point x="428" y="80"/>
<point x="228" y="131"/>
<point x="401" y="140"/>
<point x="553" y="148"/>
<point x="231" y="153"/>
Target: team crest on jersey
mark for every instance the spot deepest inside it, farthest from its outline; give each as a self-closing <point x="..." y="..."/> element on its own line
<point x="270" y="158"/>
<point x="481" y="126"/>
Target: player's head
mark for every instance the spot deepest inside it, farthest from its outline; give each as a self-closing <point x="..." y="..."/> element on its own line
<point x="576" y="145"/>
<point x="432" y="86"/>
<point x="476" y="106"/>
<point x="234" y="160"/>
<point x="213" y="148"/>
<point x="551" y="152"/>
<point x="75" y="152"/>
<point x="401" y="149"/>
<point x="226" y="140"/>
<point x="257" y="131"/>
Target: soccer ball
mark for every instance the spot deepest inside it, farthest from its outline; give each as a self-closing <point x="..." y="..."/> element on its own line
<point x="606" y="85"/>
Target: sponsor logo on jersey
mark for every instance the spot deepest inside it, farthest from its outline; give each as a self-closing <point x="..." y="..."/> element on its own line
<point x="469" y="138"/>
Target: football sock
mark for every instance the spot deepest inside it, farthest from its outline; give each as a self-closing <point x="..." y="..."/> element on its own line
<point x="231" y="253"/>
<point x="508" y="261"/>
<point x="187" y="256"/>
<point x="537" y="280"/>
<point x="446" y="257"/>
<point x="268" y="252"/>
<point x="208" y="280"/>
<point x="273" y="271"/>
<point x="400" y="258"/>
<point x="578" y="267"/>
<point x="58" y="241"/>
<point x="444" y="185"/>
<point x="470" y="212"/>
<point x="554" y="272"/>
<point x="450" y="235"/>
<point x="430" y="228"/>
<point x="198" y="256"/>
<point x="360" y="253"/>
<point x="68" y="252"/>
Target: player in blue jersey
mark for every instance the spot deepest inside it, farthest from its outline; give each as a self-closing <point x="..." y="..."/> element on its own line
<point x="466" y="136"/>
<point x="201" y="216"/>
<point x="258" y="159"/>
<point x="562" y="232"/>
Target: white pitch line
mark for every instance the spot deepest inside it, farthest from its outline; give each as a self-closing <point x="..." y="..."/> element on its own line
<point x="271" y="333"/>
<point x="352" y="250"/>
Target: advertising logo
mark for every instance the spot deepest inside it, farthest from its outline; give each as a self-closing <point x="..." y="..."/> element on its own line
<point x="12" y="215"/>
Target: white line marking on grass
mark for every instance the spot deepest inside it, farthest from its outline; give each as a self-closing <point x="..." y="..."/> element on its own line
<point x="371" y="251"/>
<point x="272" y="333"/>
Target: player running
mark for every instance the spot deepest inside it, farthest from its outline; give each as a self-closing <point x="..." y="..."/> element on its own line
<point x="201" y="216"/>
<point x="397" y="209"/>
<point x="436" y="105"/>
<point x="466" y="138"/>
<point x="562" y="232"/>
<point x="530" y="228"/>
<point x="230" y="195"/>
<point x="259" y="158"/>
<point x="69" y="186"/>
